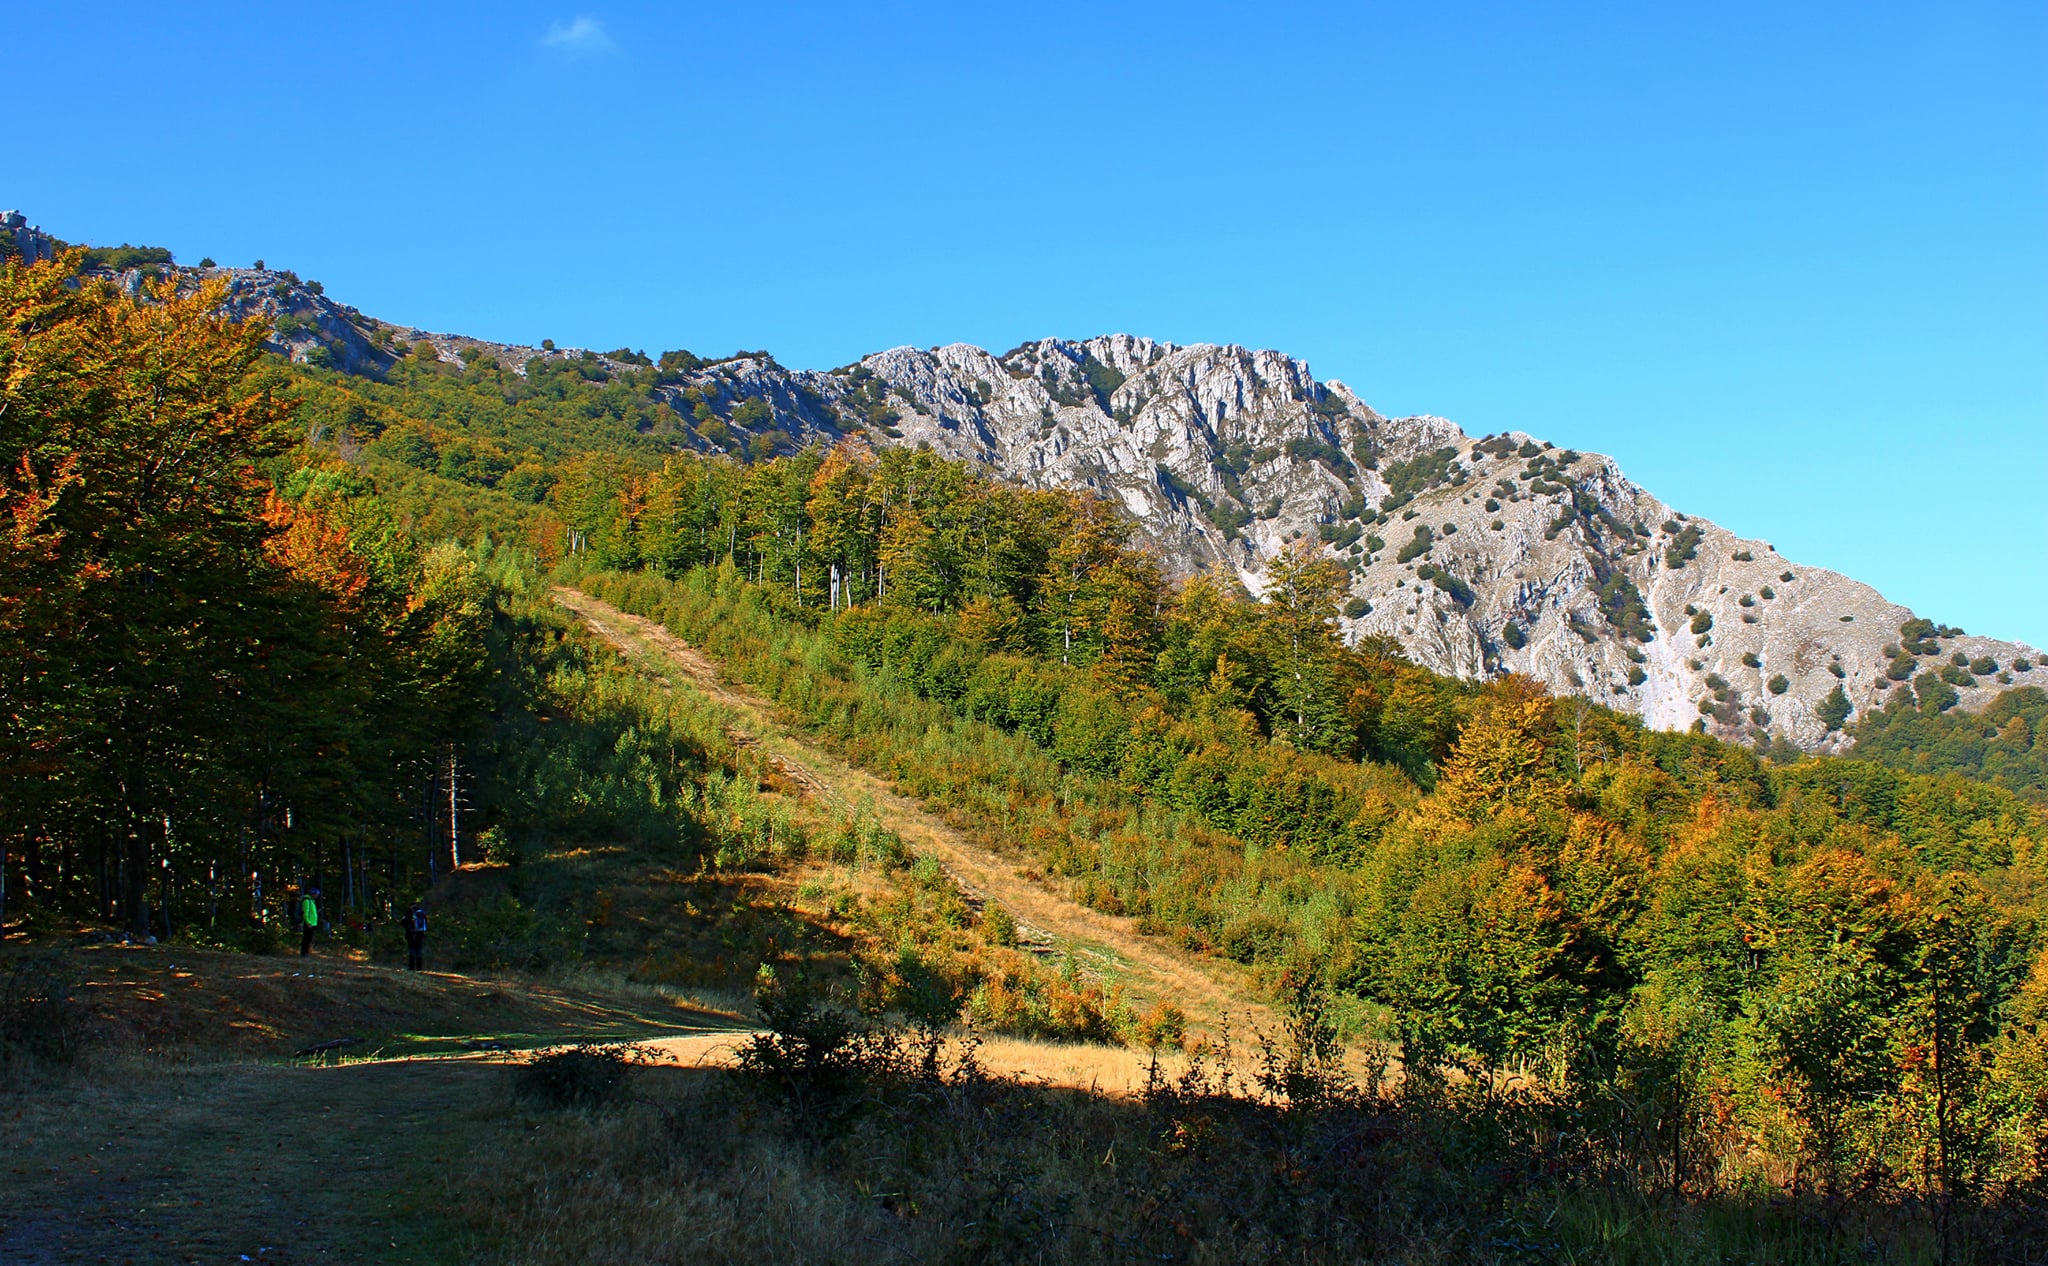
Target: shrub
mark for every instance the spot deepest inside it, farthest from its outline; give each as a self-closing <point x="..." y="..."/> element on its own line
<point x="1460" y="592"/>
<point x="1511" y="633"/>
<point x="1767" y="593"/>
<point x="1750" y="660"/>
<point x="1341" y="535"/>
<point x="1957" y="675"/>
<point x="1683" y="548"/>
<point x="1164" y="1025"/>
<point x="2023" y="665"/>
<point x="998" y="926"/>
<point x="814" y="1051"/>
<point x="1103" y="379"/>
<point x="1636" y="675"/>
<point x="1626" y="612"/>
<point x="1744" y="556"/>
<point x="1702" y="622"/>
<point x="497" y="846"/>
<point x="1834" y="709"/>
<point x="1777" y="685"/>
<point x="585" y="1076"/>
<point x="1983" y="665"/>
<point x="1901" y="669"/>
<point x="1424" y="540"/>
<point x="1405" y="479"/>
<point x="125" y="256"/>
<point x="1935" y="694"/>
<point x="1357" y="608"/>
<point x="1836" y="668"/>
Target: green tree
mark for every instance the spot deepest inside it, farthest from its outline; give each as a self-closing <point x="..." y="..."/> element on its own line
<point x="1303" y="585"/>
<point x="1835" y="709"/>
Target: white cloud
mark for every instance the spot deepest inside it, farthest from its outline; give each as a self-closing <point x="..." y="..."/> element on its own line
<point x="584" y="37"/>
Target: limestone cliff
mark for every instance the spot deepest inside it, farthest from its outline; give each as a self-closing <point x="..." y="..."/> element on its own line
<point x="1480" y="556"/>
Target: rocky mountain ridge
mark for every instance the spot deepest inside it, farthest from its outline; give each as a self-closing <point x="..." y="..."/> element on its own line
<point x="1478" y="555"/>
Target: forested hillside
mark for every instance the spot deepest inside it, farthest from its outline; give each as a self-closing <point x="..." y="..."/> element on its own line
<point x="264" y="628"/>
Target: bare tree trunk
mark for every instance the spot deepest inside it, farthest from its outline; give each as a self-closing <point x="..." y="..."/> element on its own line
<point x="135" y="852"/>
<point x="454" y="823"/>
<point x="433" y="821"/>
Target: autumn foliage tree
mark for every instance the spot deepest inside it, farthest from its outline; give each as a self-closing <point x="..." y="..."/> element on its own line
<point x="200" y="649"/>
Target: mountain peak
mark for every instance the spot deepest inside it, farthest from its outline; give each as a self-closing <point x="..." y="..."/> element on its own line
<point x="1480" y="556"/>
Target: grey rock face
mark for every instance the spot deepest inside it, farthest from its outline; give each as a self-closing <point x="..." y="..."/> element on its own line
<point x="1532" y="559"/>
<point x="1536" y="560"/>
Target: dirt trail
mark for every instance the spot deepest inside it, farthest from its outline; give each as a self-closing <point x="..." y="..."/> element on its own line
<point x="1205" y="989"/>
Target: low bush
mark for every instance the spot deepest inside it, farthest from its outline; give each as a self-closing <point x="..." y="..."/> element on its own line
<point x="586" y="1076"/>
<point x="1684" y="547"/>
<point x="1935" y="694"/>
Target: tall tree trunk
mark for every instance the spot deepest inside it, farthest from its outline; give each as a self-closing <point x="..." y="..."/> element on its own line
<point x="454" y="824"/>
<point x="135" y="875"/>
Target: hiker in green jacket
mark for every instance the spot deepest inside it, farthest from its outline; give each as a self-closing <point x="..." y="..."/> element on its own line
<point x="309" y="919"/>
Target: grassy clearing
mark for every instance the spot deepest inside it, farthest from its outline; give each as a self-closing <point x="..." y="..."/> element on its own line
<point x="159" y="1147"/>
<point x="140" y="1160"/>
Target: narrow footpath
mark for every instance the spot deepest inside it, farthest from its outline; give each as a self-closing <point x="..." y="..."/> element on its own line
<point x="1208" y="990"/>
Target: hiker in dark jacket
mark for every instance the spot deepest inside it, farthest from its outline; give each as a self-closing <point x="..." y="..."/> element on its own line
<point x="309" y="919"/>
<point x="415" y="937"/>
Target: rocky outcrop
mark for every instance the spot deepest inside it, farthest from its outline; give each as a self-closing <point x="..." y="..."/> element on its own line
<point x="1480" y="556"/>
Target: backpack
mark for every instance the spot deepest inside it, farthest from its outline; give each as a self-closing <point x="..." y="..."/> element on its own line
<point x="309" y="913"/>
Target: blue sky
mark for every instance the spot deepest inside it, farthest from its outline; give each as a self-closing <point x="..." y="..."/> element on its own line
<point x="1788" y="263"/>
